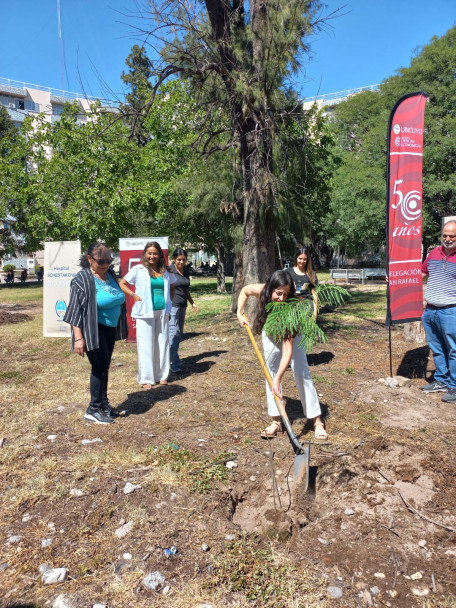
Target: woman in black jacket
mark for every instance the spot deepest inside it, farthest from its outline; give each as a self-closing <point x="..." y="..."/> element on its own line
<point x="97" y="315"/>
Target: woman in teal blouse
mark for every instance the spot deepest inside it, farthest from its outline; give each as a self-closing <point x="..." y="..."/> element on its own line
<point x="154" y="291"/>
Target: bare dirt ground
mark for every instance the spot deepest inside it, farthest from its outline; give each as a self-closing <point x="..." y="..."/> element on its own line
<point x="378" y="521"/>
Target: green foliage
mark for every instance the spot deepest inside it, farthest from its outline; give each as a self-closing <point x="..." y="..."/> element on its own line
<point x="239" y="62"/>
<point x="356" y="219"/>
<point x="8" y="267"/>
<point x="199" y="473"/>
<point x="306" y="159"/>
<point x="249" y="566"/>
<point x="295" y="316"/>
<point x="7" y="130"/>
<point x="89" y="187"/>
<point x="138" y="81"/>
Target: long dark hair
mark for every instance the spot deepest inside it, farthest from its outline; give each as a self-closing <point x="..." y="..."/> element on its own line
<point x="279" y="278"/>
<point x="179" y="251"/>
<point x="309" y="270"/>
<point x="91" y="250"/>
<point x="161" y="260"/>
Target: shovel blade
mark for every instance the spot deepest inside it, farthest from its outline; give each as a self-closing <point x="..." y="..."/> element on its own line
<point x="301" y="468"/>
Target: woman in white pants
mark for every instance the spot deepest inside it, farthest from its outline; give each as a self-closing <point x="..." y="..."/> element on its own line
<point x="154" y="292"/>
<point x="278" y="288"/>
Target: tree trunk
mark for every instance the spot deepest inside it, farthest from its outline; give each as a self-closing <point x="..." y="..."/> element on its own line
<point x="414" y="332"/>
<point x="259" y="234"/>
<point x="237" y="281"/>
<point x="220" y="254"/>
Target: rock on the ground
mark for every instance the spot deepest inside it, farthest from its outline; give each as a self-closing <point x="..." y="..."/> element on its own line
<point x="231" y="464"/>
<point x="76" y="492"/>
<point x="46" y="542"/>
<point x="99" y="606"/>
<point x="420" y="591"/>
<point x="391" y="382"/>
<point x="124" y="530"/>
<point x="65" y="601"/>
<point x="402" y="381"/>
<point x="42" y="568"/>
<point x="154" y="581"/>
<point x="335" y="592"/>
<point x="55" y="575"/>
<point x="11" y="540"/>
<point x="131" y="487"/>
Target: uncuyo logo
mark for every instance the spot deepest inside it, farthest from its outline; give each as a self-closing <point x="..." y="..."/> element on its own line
<point x="60" y="308"/>
<point x="396" y="129"/>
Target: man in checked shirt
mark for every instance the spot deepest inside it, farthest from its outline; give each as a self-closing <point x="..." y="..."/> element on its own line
<point x="439" y="317"/>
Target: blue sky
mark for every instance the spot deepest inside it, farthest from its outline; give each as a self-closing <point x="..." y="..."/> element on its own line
<point x="367" y="43"/>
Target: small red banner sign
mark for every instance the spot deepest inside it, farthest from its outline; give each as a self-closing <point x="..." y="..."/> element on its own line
<point x="404" y="209"/>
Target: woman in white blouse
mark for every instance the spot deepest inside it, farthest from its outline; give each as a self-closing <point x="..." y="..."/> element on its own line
<point x="153" y="295"/>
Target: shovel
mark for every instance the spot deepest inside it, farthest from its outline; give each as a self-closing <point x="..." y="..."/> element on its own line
<point x="302" y="454"/>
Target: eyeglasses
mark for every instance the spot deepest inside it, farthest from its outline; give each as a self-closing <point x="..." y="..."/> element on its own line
<point x="102" y="261"/>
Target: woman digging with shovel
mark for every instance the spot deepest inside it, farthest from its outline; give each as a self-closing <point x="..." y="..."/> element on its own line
<point x="278" y="288"/>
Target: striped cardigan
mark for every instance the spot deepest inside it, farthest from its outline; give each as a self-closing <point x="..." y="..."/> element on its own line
<point x="82" y="310"/>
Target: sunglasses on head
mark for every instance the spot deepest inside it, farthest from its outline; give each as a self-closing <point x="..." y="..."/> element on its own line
<point x="102" y="261"/>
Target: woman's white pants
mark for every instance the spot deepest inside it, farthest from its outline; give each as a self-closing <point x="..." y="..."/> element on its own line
<point x="301" y="374"/>
<point x="152" y="340"/>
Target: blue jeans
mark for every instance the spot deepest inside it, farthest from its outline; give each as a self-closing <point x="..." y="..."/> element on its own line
<point x="440" y="328"/>
<point x="176" y="331"/>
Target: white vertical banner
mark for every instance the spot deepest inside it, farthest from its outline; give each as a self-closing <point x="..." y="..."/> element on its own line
<point x="61" y="263"/>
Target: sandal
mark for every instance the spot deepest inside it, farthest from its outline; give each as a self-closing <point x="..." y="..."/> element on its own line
<point x="147" y="387"/>
<point x="272" y="430"/>
<point x="163" y="381"/>
<point x="320" y="432"/>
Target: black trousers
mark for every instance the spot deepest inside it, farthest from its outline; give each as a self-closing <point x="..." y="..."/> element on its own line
<point x="100" y="359"/>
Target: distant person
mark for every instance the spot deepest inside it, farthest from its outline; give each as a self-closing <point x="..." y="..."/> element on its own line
<point x="154" y="292"/>
<point x="304" y="277"/>
<point x="10" y="277"/>
<point x="39" y="274"/>
<point x="24" y="274"/>
<point x="97" y="315"/>
<point x="439" y="316"/>
<point x="179" y="309"/>
<point x="278" y="288"/>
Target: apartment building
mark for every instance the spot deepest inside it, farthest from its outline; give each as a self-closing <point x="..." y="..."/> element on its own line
<point x="22" y="99"/>
<point x="329" y="100"/>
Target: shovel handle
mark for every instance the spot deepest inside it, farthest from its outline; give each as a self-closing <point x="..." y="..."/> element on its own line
<point x="298" y="447"/>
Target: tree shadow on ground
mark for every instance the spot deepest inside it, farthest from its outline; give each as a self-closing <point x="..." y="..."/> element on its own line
<point x="414" y="363"/>
<point x="141" y="402"/>
<point x="320" y="358"/>
<point x="194" y="365"/>
<point x="20" y="605"/>
<point x="191" y="334"/>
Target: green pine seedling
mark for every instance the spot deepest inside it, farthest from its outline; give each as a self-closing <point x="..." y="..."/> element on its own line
<point x="295" y="316"/>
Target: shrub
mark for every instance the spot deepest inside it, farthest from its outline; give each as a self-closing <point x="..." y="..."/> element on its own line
<point x="8" y="267"/>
